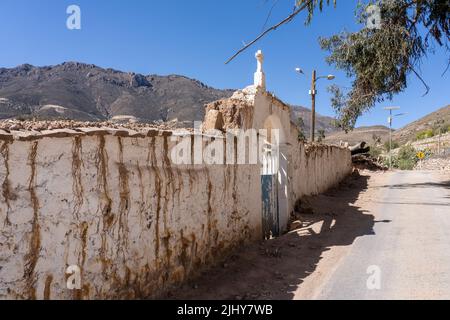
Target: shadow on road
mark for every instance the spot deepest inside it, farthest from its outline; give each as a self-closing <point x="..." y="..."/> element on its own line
<point x="445" y="184"/>
<point x="432" y="204"/>
<point x="275" y="268"/>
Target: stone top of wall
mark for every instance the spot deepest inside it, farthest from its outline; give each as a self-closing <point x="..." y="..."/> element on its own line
<point x="316" y="146"/>
<point x="33" y="130"/>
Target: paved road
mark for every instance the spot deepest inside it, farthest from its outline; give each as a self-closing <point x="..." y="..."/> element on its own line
<point x="409" y="249"/>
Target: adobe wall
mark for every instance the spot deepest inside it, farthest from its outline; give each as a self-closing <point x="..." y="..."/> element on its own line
<point x="111" y="202"/>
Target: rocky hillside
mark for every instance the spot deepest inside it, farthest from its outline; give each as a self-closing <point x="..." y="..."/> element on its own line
<point x="89" y="93"/>
<point x="367" y="134"/>
<point x="409" y="132"/>
<point x="85" y="92"/>
<point x="403" y="135"/>
<point x="322" y="122"/>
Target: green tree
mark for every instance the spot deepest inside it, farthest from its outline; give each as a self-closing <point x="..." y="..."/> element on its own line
<point x="378" y="60"/>
<point x="301" y="129"/>
<point x="320" y="135"/>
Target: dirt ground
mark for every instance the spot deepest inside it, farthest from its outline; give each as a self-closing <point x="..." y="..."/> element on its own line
<point x="287" y="267"/>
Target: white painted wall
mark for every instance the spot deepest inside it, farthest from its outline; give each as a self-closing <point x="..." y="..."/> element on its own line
<point x="115" y="207"/>
<point x="316" y="170"/>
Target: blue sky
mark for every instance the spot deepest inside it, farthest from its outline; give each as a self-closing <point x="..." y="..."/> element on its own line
<point x="195" y="38"/>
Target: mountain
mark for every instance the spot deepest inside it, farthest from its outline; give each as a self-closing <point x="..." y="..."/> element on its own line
<point x="86" y="92"/>
<point x="368" y="134"/>
<point x="409" y="132"/>
<point x="403" y="135"/>
<point x="322" y="122"/>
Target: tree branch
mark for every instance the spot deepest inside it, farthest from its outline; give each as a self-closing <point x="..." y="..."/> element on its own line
<point x="269" y="15"/>
<point x="287" y="20"/>
<point x="427" y="87"/>
<point x="446" y="69"/>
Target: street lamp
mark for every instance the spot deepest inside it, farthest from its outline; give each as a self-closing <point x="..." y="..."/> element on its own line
<point x="313" y="93"/>
<point x="390" y="119"/>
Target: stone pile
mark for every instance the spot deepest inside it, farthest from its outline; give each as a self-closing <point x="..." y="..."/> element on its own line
<point x="366" y="162"/>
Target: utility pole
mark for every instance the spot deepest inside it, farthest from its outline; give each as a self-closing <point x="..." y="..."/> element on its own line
<point x="390" y="119"/>
<point x="313" y="105"/>
<point x="390" y="139"/>
<point x="313" y="93"/>
<point x="439" y="141"/>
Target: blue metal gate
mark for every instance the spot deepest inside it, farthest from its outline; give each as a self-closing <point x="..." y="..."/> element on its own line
<point x="270" y="206"/>
<point x="270" y="210"/>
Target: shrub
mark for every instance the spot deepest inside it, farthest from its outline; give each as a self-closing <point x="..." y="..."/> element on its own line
<point x="395" y="145"/>
<point x="406" y="158"/>
<point x="425" y="134"/>
<point x="442" y="129"/>
<point x="301" y="136"/>
<point x="375" y="151"/>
